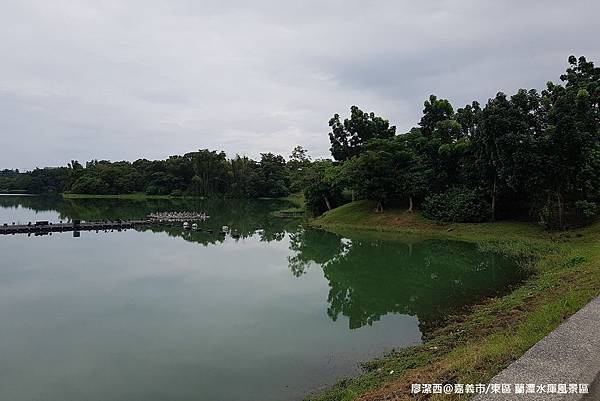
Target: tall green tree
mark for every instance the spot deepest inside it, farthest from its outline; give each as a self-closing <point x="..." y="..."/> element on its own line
<point x="380" y="172"/>
<point x="212" y="169"/>
<point x="297" y="164"/>
<point x="244" y="177"/>
<point x="442" y="145"/>
<point x="273" y="175"/>
<point x="572" y="136"/>
<point x="323" y="186"/>
<point x="349" y="136"/>
<point x="506" y="145"/>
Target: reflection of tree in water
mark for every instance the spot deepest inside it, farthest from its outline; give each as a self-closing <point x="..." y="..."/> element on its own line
<point x="312" y="246"/>
<point x="427" y="279"/>
<point x="243" y="217"/>
<point x="37" y="203"/>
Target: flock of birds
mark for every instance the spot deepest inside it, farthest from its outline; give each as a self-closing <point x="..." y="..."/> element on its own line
<point x="172" y="217"/>
<point x="189" y="220"/>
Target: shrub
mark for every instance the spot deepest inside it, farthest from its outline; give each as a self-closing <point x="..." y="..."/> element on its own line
<point x="586" y="209"/>
<point x="457" y="205"/>
<point x="577" y="214"/>
<point x="90" y="185"/>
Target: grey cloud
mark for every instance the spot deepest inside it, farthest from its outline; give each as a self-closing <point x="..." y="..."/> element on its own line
<point x="122" y="80"/>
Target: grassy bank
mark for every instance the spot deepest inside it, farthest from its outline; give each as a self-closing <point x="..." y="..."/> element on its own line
<point x="475" y="345"/>
<point x="297" y="211"/>
<point x="297" y="199"/>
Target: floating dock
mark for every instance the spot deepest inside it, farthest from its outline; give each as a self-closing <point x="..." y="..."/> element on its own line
<point x="43" y="227"/>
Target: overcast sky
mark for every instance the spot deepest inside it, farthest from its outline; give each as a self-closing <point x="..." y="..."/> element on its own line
<point x="126" y="79"/>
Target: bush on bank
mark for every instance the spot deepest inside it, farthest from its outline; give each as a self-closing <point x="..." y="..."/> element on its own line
<point x="457" y="205"/>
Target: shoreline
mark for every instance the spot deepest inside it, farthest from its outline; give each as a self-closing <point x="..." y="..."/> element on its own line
<point x="297" y="199"/>
<point x="133" y="196"/>
<point x="473" y="346"/>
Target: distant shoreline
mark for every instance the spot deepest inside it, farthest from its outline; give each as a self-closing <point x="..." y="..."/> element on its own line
<point x="297" y="199"/>
<point x="133" y="196"/>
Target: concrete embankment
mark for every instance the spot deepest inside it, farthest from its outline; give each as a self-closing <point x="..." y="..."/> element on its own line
<point x="567" y="356"/>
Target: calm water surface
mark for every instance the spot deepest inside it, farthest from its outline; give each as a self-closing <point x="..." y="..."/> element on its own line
<point x="167" y="314"/>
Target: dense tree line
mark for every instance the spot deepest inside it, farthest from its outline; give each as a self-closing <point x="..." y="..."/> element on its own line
<point x="532" y="153"/>
<point x="203" y="173"/>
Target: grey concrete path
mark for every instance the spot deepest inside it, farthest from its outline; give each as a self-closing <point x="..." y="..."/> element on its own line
<point x="570" y="354"/>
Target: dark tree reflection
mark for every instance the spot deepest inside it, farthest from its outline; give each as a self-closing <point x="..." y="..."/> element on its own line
<point x="428" y="279"/>
<point x="311" y="245"/>
<point x="243" y="218"/>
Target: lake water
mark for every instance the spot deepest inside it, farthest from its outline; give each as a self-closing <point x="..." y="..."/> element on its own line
<point x="167" y="314"/>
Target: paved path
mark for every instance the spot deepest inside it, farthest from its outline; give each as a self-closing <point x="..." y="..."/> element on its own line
<point x="570" y="354"/>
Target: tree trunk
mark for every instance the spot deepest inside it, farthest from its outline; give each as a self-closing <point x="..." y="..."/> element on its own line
<point x="379" y="208"/>
<point x="494" y="200"/>
<point x="327" y="203"/>
<point x="410" y="203"/>
<point x="353" y="196"/>
<point x="561" y="211"/>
